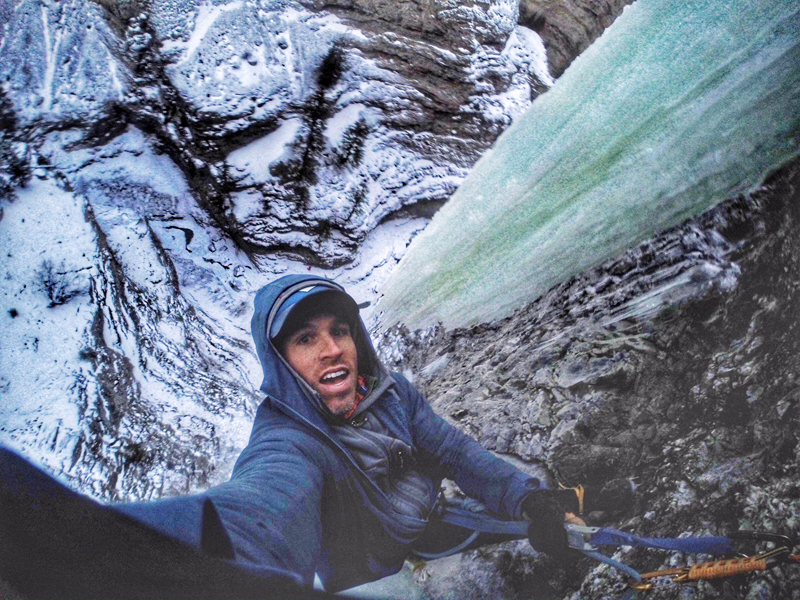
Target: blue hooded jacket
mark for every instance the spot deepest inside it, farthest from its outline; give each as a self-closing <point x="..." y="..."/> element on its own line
<point x="299" y="501"/>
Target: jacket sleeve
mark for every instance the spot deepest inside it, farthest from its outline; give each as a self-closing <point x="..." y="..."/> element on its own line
<point x="479" y="473"/>
<point x="271" y="507"/>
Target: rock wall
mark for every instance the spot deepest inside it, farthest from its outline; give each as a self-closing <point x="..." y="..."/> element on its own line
<point x="692" y="390"/>
<point x="568" y="28"/>
<point x="298" y="128"/>
<point x="162" y="159"/>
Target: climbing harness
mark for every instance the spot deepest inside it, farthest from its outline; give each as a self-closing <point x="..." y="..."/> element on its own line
<point x="589" y="539"/>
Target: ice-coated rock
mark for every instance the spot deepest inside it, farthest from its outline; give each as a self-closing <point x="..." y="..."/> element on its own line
<point x="59" y="60"/>
<point x="694" y="396"/>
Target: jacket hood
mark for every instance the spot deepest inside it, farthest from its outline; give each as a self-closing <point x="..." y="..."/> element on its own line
<point x="281" y="382"/>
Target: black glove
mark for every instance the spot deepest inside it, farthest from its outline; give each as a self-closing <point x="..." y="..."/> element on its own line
<point x="545" y="510"/>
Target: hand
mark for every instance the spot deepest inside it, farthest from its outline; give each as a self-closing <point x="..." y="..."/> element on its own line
<point x="546" y="512"/>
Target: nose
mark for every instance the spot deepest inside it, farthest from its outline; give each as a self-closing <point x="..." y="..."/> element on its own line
<point x="330" y="346"/>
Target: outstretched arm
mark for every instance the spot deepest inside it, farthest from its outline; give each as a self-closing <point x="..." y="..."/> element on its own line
<point x="478" y="472"/>
<point x="271" y="508"/>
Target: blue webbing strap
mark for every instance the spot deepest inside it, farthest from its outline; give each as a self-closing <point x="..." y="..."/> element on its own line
<point x="450" y="551"/>
<point x="478" y="521"/>
<point x="483" y="522"/>
<point x="606" y="536"/>
<point x="633" y="573"/>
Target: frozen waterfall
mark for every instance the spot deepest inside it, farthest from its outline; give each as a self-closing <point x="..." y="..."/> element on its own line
<point x="675" y="108"/>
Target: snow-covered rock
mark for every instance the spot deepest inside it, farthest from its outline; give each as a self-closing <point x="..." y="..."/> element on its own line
<point x="180" y="154"/>
<point x="299" y="127"/>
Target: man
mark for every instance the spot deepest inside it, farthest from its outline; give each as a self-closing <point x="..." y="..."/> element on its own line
<point x="340" y="479"/>
<point x="343" y="468"/>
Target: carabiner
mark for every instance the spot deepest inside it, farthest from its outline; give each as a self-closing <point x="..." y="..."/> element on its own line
<point x="579" y="536"/>
<point x="763" y="536"/>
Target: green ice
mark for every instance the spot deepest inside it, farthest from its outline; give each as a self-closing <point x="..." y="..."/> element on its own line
<point x="678" y="106"/>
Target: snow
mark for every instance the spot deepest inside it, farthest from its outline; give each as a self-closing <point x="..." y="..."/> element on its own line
<point x="238" y="56"/>
<point x="46" y="341"/>
<point x="523" y="55"/>
<point x="247" y="204"/>
<point x="40" y="345"/>
<point x="525" y="46"/>
<point x="341" y="121"/>
<point x="255" y="159"/>
<point x="56" y="63"/>
<point x="379" y="254"/>
<point x="51" y="49"/>
<point x="207" y="15"/>
<point x="495" y="20"/>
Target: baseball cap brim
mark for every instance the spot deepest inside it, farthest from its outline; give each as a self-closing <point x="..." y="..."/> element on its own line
<point x="299" y="296"/>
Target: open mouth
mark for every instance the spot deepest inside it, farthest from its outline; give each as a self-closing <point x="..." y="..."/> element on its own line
<point x="336" y="376"/>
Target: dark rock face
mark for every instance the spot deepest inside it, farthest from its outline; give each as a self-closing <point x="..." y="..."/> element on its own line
<point x="432" y="46"/>
<point x="568" y="28"/>
<point x="14" y="162"/>
<point x="696" y="399"/>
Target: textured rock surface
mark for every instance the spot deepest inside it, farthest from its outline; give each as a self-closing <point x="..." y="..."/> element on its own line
<point x="568" y="28"/>
<point x="157" y="162"/>
<point x="160" y="159"/>
<point x="692" y="390"/>
<point x="297" y="129"/>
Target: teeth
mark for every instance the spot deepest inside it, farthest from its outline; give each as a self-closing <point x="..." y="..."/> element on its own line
<point x="335" y="374"/>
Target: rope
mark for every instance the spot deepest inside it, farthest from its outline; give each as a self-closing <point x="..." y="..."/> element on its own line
<point x="712" y="570"/>
<point x="450" y="551"/>
<point x="580" y="493"/>
<point x="482" y="522"/>
<point x="620" y="566"/>
<point x="725" y="568"/>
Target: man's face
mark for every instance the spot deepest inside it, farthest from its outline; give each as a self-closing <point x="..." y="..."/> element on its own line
<point x="324" y="353"/>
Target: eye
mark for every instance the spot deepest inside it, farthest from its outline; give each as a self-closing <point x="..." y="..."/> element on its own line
<point x="303" y="339"/>
<point x="340" y="329"/>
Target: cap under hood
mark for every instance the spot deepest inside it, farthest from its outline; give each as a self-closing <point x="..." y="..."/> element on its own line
<point x="281" y="382"/>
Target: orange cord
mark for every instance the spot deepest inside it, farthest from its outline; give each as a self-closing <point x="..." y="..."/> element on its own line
<point x="712" y="570"/>
<point x="580" y="493"/>
<point x="724" y="568"/>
